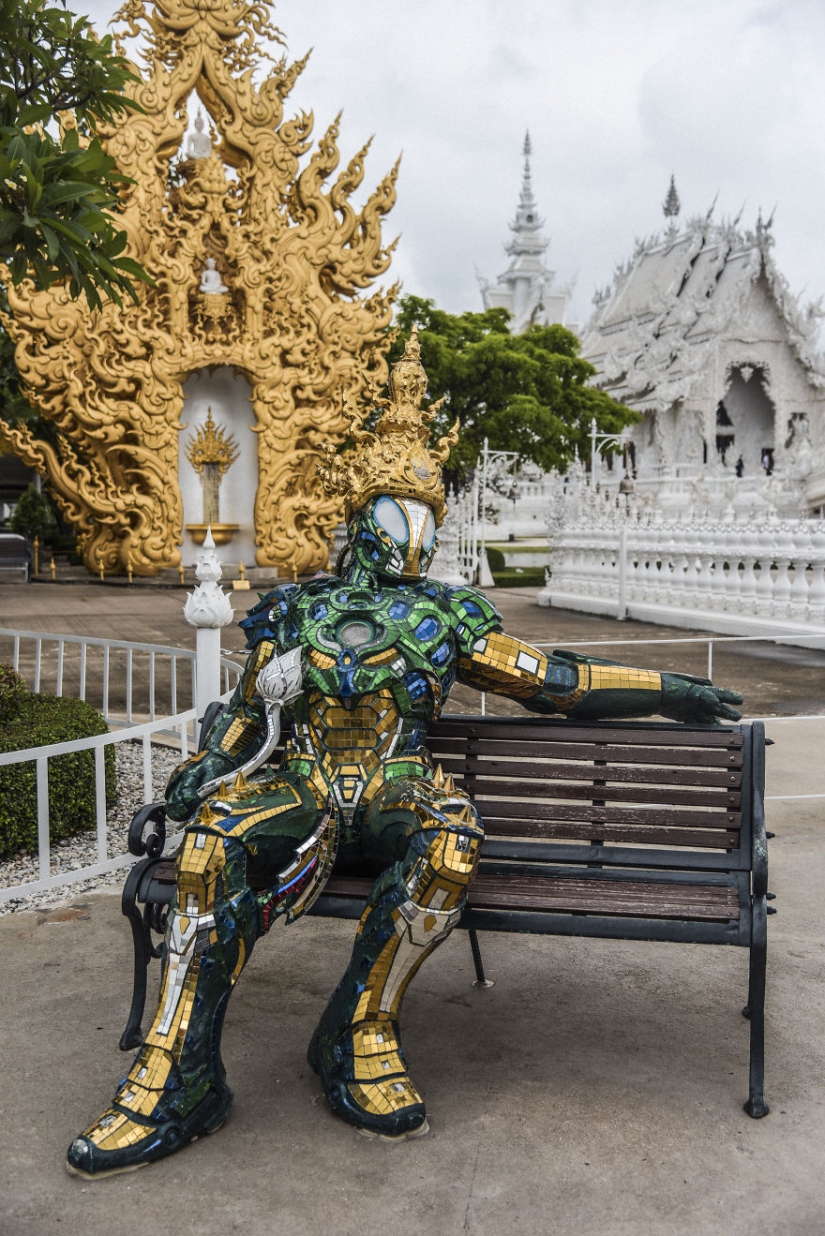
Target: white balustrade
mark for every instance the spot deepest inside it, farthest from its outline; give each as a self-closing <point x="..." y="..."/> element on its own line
<point x="739" y="572"/>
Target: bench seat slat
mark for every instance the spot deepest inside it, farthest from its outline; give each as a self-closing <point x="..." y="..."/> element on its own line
<point x="685" y="756"/>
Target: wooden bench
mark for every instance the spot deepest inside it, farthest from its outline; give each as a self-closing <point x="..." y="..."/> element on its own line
<point x="619" y="830"/>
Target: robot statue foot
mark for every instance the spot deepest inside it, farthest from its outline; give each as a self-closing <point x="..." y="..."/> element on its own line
<point x="160" y="1121"/>
<point x="365" y="1079"/>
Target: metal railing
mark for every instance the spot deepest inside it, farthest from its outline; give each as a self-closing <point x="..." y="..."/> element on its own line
<point x="122" y="679"/>
<point x="40" y="756"/>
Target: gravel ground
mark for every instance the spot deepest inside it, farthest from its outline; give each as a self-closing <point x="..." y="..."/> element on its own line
<point x="81" y="851"/>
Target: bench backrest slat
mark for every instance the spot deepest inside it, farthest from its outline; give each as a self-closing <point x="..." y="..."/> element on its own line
<point x="716" y="757"/>
<point x="642" y="783"/>
<point x="675" y="796"/>
<point x="650" y="835"/>
<point x="626" y="773"/>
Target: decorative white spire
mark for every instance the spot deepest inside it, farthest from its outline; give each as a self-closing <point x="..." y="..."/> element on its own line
<point x="208" y="606"/>
<point x="527" y="223"/>
<point x="526" y="288"/>
<point x="671" y="205"/>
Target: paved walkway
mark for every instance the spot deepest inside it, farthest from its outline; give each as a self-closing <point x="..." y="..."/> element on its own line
<point x="596" y="1090"/>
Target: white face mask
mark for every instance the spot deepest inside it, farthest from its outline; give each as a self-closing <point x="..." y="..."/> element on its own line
<point x="410" y="525"/>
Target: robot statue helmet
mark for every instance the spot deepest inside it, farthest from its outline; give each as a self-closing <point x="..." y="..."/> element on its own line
<point x="390" y="480"/>
<point x="394" y="536"/>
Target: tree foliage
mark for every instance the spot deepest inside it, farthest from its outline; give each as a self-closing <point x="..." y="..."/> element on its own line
<point x="33" y="516"/>
<point x="59" y="189"/>
<point x="525" y="393"/>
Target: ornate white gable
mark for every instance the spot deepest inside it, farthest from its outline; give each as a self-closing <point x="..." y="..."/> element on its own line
<point x="699" y="331"/>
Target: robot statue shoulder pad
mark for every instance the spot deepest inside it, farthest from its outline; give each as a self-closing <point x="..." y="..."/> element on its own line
<point x="472" y="606"/>
<point x="272" y="606"/>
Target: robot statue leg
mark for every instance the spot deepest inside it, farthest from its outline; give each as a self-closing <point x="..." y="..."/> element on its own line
<point x="434" y="834"/>
<point x="271" y="835"/>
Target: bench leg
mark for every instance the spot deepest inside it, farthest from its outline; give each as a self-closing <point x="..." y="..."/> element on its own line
<point x="756" y="1105"/>
<point x="481" y="979"/>
<point x="132" y="1036"/>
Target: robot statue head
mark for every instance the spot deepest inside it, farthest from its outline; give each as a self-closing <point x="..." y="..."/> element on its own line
<point x="394" y="536"/>
<point x="391" y="479"/>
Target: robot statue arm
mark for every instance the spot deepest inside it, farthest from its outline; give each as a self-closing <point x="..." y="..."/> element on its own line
<point x="589" y="688"/>
<point x="234" y="738"/>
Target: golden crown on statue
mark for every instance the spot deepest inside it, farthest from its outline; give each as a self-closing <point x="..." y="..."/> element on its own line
<point x="395" y="459"/>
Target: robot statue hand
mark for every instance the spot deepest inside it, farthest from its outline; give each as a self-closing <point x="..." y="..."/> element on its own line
<point x="280" y="681"/>
<point x="697" y="701"/>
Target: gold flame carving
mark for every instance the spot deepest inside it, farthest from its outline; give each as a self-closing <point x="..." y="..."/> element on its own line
<point x="297" y="261"/>
<point x="396" y="458"/>
<point x="212" y="445"/>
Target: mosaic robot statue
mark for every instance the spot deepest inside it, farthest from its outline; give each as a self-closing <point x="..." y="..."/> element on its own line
<point x="359" y="663"/>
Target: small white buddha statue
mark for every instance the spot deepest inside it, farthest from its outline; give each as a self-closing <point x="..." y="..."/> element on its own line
<point x="211" y="283"/>
<point x="198" y="146"/>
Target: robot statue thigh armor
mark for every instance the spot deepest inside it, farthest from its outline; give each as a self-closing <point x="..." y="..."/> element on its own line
<point x="433" y="834"/>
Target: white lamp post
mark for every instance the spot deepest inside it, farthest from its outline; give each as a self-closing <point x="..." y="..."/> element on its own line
<point x="489" y="459"/>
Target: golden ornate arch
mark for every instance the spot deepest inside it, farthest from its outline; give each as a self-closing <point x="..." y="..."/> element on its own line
<point x="297" y="259"/>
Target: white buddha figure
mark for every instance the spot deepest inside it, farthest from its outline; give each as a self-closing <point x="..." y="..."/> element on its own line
<point x="199" y="145"/>
<point x="211" y="283"/>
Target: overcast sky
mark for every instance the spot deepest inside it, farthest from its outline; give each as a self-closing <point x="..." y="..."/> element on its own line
<point x="617" y="94"/>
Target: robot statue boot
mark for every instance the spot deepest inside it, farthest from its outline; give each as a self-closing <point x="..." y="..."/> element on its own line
<point x="413" y="906"/>
<point x="176" y="1089"/>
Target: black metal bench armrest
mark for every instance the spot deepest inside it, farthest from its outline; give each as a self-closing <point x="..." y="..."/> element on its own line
<point x="154" y="813"/>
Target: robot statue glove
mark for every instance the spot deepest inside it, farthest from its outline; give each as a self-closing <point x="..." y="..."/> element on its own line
<point x="697" y="701"/>
<point x="184" y="791"/>
<point x="279" y="682"/>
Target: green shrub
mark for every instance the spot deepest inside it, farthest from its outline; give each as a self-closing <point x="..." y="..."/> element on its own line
<point x="12" y="690"/>
<point x="527" y="577"/>
<point x="41" y="720"/>
<point x="496" y="559"/>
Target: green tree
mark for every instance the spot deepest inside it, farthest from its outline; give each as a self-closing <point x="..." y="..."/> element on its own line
<point x="525" y="393"/>
<point x="33" y="516"/>
<point x="59" y="189"/>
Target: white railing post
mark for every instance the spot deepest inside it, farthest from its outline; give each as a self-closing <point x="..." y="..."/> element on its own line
<point x="43" y="840"/>
<point x="208" y="609"/>
<point x="621" y="609"/>
<point x="100" y="802"/>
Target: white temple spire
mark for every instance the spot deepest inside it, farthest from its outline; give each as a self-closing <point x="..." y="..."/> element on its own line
<point x="671" y="205"/>
<point x="526" y="287"/>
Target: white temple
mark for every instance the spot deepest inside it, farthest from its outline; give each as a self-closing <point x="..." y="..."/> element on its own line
<point x="700" y="333"/>
<point x="526" y="288"/>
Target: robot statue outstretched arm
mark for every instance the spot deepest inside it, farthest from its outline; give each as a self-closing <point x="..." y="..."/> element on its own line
<point x="588" y="688"/>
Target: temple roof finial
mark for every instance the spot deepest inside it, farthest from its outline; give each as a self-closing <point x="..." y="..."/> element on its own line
<point x="528" y="145"/>
<point x="671" y="205"/>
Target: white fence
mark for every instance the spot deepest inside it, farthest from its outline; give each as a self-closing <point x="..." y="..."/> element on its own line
<point x="122" y="680"/>
<point x="730" y="577"/>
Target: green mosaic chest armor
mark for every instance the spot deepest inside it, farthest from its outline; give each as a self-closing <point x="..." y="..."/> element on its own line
<point x="378" y="663"/>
